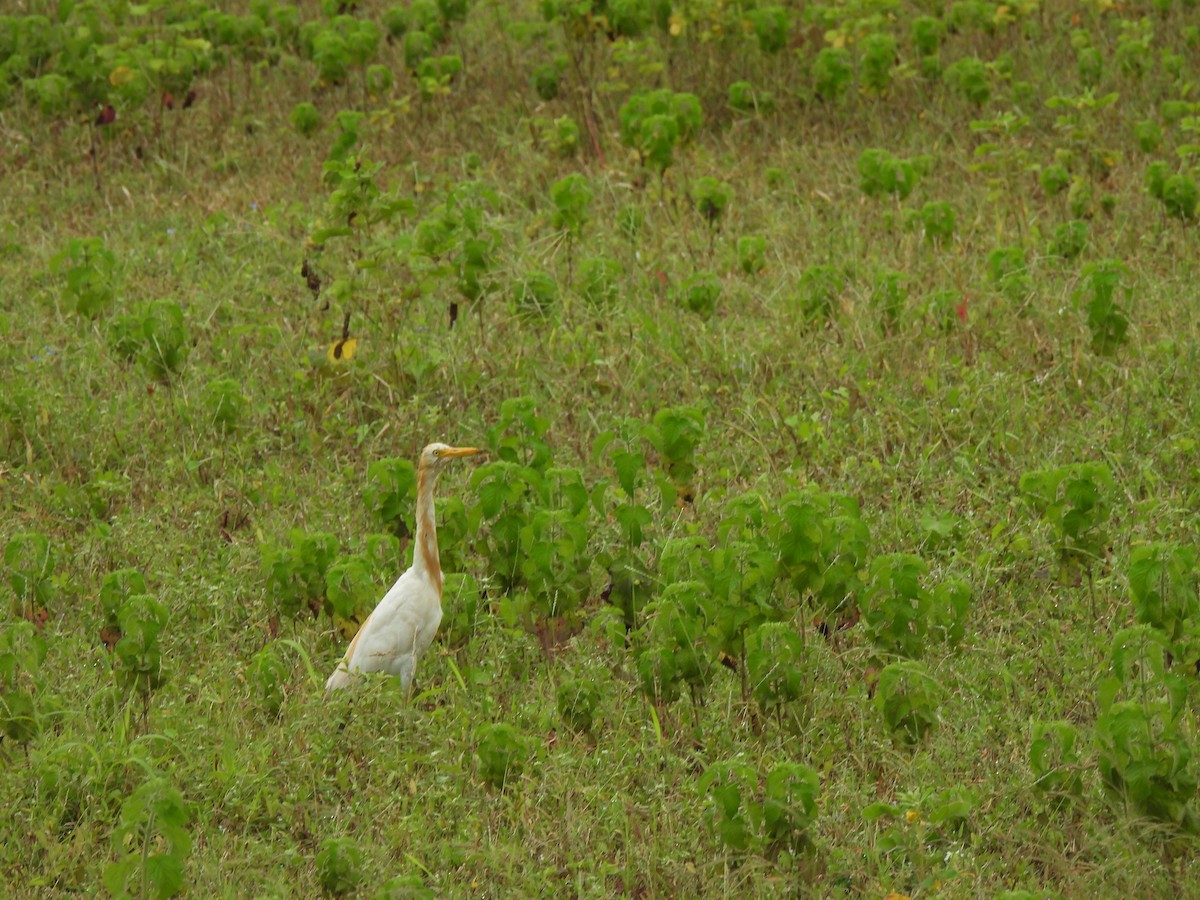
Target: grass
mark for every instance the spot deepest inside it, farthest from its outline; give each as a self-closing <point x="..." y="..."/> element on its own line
<point x="939" y="412"/>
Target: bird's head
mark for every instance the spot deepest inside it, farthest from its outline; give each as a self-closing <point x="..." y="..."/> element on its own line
<point x="437" y="455"/>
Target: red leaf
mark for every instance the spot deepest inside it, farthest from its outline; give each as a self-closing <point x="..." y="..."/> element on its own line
<point x="107" y="116"/>
<point x="961" y="309"/>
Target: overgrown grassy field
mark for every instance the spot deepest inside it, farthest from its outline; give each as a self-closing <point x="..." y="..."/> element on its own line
<point x="837" y="368"/>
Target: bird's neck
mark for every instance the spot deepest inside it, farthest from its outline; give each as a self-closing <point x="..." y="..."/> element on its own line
<point x="425" y="555"/>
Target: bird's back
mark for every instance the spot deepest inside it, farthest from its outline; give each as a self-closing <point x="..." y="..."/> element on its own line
<point x="395" y="634"/>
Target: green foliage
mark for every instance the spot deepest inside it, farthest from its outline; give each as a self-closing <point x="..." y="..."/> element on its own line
<point x="781" y="819"/>
<point x="938" y="221"/>
<point x="29" y="559"/>
<point x="546" y="81"/>
<point x="822" y="545"/>
<point x="747" y="99"/>
<point x="226" y="403"/>
<point x="1180" y="196"/>
<point x="775" y="660"/>
<point x="1162" y="584"/>
<point x="339" y="866"/>
<point x="876" y="60"/>
<point x="1073" y="500"/>
<point x="151" y="842"/>
<point x="969" y="77"/>
<point x="577" y="700"/>
<point x="22" y="653"/>
<point x="502" y="753"/>
<point x="672" y="646"/>
<point x="1055" y="762"/>
<point x="391" y="495"/>
<point x="90" y="271"/>
<point x="305" y="118"/>
<point x="771" y="25"/>
<point x="599" y="282"/>
<point x="819" y="291"/>
<point x="699" y="294"/>
<point x="927" y="35"/>
<point x="571" y="196"/>
<point x="676" y="432"/>
<point x="752" y="253"/>
<point x="832" y="72"/>
<point x="711" y="198"/>
<point x="1148" y="135"/>
<point x="1070" y="239"/>
<point x="889" y="298"/>
<point x="1146" y="762"/>
<point x="907" y="698"/>
<point x="1009" y="272"/>
<point x="1106" y="319"/>
<point x="267" y="674"/>
<point x="117" y="587"/>
<point x="295" y="573"/>
<point x="350" y="588"/>
<point x="141" y="620"/>
<point x="882" y="173"/>
<point x="166" y="342"/>
<point x="1054" y="179"/>
<point x="535" y="294"/>
<point x="654" y="122"/>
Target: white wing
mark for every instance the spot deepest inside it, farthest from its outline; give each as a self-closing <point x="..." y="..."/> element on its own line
<point x="394" y="636"/>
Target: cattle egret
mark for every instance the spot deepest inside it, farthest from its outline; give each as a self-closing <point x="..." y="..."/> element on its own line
<point x="400" y="629"/>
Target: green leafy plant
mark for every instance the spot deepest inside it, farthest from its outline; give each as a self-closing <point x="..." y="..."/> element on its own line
<point x="390" y="494"/>
<point x="535" y="294"/>
<point x="771" y="25"/>
<point x="502" y="753"/>
<point x="938" y="221"/>
<point x="880" y="172"/>
<point x="226" y="403"/>
<point x="1106" y="319"/>
<point x="295" y="572"/>
<point x="577" y="700"/>
<point x="1070" y="239"/>
<point x="729" y="787"/>
<point x="29" y="559"/>
<point x="599" y="281"/>
<point x="699" y="294"/>
<point x="267" y="674"/>
<point x="711" y="197"/>
<point x="653" y="123"/>
<point x="1146" y="762"/>
<point x="165" y="339"/>
<point x="90" y="271"/>
<point x="1162" y="583"/>
<point x="907" y="698"/>
<point x="339" y="865"/>
<point x="752" y="253"/>
<point x="305" y="119"/>
<point x="115" y="588"/>
<point x="141" y="619"/>
<point x="969" y="77"/>
<point x="832" y="72"/>
<point x="676" y="432"/>
<point x="1180" y="196"/>
<point x="350" y="588"/>
<point x="1073" y="500"/>
<point x="775" y="659"/>
<point x="876" y="60"/>
<point x="748" y="100"/>
<point x="789" y="805"/>
<point x="1055" y="762"/>
<point x="22" y="653"/>
<point x="151" y="842"/>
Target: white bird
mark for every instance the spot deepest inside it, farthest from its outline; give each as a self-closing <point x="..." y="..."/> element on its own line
<point x="401" y="628"/>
